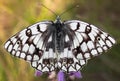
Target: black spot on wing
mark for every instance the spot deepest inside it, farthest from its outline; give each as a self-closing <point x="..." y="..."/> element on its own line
<point x="70" y="61"/>
<point x="88" y="29"/>
<point x="46" y="61"/>
<point x="29" y="32"/>
<point x="38" y="27"/>
<point x="78" y="25"/>
<point x="38" y="52"/>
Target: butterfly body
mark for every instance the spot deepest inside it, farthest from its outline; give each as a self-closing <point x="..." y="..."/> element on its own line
<point x="59" y="35"/>
<point x="66" y="46"/>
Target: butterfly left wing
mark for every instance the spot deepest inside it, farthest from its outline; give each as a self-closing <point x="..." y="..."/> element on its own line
<point x="85" y="41"/>
<point x="30" y="44"/>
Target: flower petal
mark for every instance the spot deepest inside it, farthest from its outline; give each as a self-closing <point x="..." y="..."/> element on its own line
<point x="38" y="73"/>
<point x="71" y="73"/>
<point x="78" y="74"/>
<point x="75" y="74"/>
<point x="60" y="76"/>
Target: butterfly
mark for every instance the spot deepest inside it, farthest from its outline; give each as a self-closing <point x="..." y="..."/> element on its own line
<point x="49" y="46"/>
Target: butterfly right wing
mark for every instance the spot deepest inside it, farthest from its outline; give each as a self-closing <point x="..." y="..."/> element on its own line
<point x="83" y="41"/>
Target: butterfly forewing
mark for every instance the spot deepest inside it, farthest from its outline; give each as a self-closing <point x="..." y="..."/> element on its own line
<point x="29" y="44"/>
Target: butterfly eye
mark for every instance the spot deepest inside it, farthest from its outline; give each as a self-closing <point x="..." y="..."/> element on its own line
<point x="28" y="32"/>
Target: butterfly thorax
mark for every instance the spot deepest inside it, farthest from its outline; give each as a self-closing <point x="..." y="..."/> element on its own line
<point x="59" y="35"/>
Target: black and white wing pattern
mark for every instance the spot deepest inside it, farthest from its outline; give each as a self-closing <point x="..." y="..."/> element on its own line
<point x="30" y="44"/>
<point x="66" y="46"/>
<point x="85" y="41"/>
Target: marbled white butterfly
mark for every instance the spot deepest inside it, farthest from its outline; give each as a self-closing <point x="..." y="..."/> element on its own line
<point x="66" y="46"/>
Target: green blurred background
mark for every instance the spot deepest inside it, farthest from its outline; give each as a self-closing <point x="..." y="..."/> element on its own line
<point x="15" y="15"/>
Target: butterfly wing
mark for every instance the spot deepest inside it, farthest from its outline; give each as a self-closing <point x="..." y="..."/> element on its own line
<point x="86" y="41"/>
<point x="31" y="44"/>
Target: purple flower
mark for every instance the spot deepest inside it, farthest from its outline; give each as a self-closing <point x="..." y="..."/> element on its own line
<point x="78" y="74"/>
<point x="38" y="73"/>
<point x="60" y="76"/>
<point x="74" y="75"/>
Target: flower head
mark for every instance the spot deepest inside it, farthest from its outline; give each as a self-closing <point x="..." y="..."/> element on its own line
<point x="61" y="75"/>
<point x="74" y="75"/>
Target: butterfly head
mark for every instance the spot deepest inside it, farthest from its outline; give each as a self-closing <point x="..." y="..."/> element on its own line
<point x="58" y="20"/>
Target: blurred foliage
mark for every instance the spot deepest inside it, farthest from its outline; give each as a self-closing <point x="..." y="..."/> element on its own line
<point x="15" y="15"/>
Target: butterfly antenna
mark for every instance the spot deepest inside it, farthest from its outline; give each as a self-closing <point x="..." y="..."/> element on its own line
<point x="75" y="6"/>
<point x="49" y="9"/>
